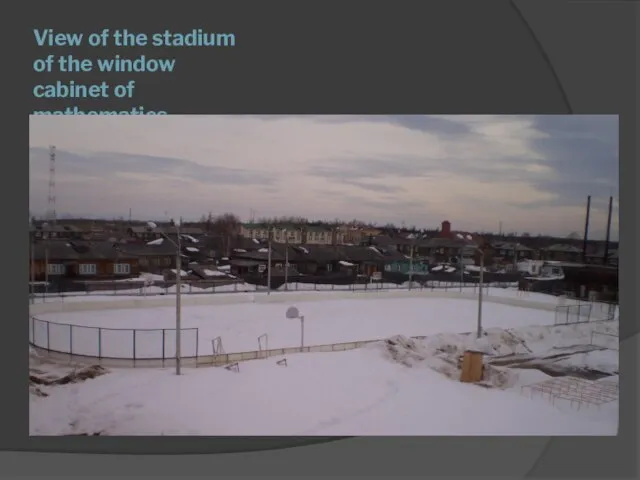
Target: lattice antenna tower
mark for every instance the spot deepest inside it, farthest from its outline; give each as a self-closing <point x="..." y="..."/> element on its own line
<point x="51" y="212"/>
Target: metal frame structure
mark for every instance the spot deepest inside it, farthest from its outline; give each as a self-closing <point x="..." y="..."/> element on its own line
<point x="577" y="391"/>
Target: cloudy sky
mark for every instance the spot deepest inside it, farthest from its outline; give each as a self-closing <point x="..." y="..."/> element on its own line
<point x="532" y="173"/>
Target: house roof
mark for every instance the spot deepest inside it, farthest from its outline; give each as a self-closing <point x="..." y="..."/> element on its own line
<point x="169" y="230"/>
<point x="384" y="240"/>
<point x="54" y="228"/>
<point x="438" y="242"/>
<point x="561" y="247"/>
<point x="243" y="262"/>
<point x="80" y="250"/>
<point x="164" y="249"/>
<point x="361" y="254"/>
<point x="320" y="253"/>
<point x="511" y="246"/>
<point x="259" y="255"/>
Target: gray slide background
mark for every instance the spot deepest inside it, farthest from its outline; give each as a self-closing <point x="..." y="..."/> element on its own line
<point x="531" y="56"/>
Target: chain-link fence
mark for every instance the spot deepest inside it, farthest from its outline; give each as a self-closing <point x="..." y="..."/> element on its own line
<point x="198" y="289"/>
<point x="577" y="313"/>
<point x="114" y="343"/>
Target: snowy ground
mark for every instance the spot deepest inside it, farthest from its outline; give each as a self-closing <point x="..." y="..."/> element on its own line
<point x="368" y="391"/>
<point x="240" y="325"/>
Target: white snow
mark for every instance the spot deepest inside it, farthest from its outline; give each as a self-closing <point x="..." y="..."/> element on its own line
<point x="239" y="250"/>
<point x="346" y="264"/>
<point x="192" y="239"/>
<point x="255" y="240"/>
<point x="449" y="269"/>
<point x="214" y="273"/>
<point x="193" y="249"/>
<point x="474" y="268"/>
<point x="359" y="392"/>
<point x="157" y="241"/>
<point x="182" y="272"/>
<point x="326" y="322"/>
<point x="263" y="250"/>
<point x="437" y="268"/>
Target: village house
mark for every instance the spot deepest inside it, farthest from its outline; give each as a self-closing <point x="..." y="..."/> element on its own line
<point x="508" y="254"/>
<point x="318" y="235"/>
<point x="153" y="258"/>
<point x="44" y="231"/>
<point x="562" y="253"/>
<point x="278" y="233"/>
<point x="148" y="234"/>
<point x="318" y="260"/>
<point x="348" y="235"/>
<point x="60" y="259"/>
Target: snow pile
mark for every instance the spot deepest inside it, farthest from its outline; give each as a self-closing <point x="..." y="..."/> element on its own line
<point x="559" y="347"/>
<point x="605" y="361"/>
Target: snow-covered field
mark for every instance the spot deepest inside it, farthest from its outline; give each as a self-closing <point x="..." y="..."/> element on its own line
<point x="369" y="391"/>
<point x="151" y="291"/>
<point x="327" y="321"/>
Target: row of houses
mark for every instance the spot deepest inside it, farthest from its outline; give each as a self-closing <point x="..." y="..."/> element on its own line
<point x="64" y="251"/>
<point x="55" y="259"/>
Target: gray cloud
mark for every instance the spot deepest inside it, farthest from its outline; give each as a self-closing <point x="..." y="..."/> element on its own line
<point x="98" y="164"/>
<point x="373" y="187"/>
<point x="583" y="152"/>
<point x="355" y="169"/>
<point x="422" y="123"/>
<point x="472" y="166"/>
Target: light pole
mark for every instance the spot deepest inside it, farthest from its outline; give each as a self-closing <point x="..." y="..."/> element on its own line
<point x="293" y="313"/>
<point x="286" y="259"/>
<point x="480" y="284"/>
<point x="269" y="233"/>
<point x="411" y="265"/>
<point x="178" y="289"/>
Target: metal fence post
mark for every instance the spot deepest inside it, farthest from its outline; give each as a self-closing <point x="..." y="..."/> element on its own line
<point x="134" y="344"/>
<point x="70" y="339"/>
<point x="48" y="337"/>
<point x="197" y="343"/>
<point x="163" y="344"/>
<point x="33" y="330"/>
<point x="99" y="342"/>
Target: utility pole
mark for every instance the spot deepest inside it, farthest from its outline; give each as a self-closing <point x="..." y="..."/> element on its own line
<point x="179" y="302"/>
<point x="480" y="283"/>
<point x="411" y="265"/>
<point x="269" y="233"/>
<point x="286" y="259"/>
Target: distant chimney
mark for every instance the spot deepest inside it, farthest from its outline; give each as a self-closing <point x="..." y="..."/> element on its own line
<point x="446" y="228"/>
